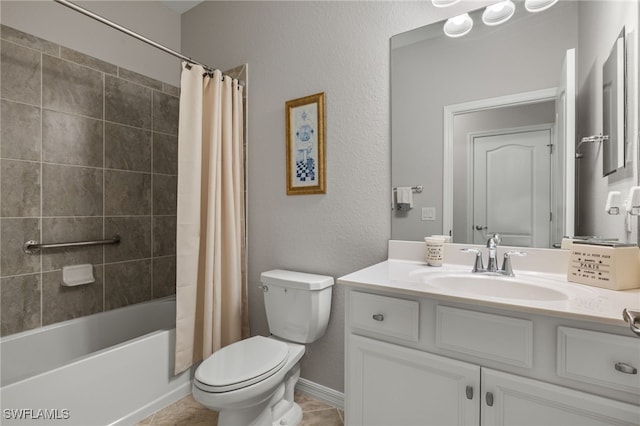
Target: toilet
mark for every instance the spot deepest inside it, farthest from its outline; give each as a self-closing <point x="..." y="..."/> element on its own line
<point x="251" y="382"/>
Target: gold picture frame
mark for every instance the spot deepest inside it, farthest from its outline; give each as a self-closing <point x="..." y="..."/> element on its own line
<point x="305" y="145"/>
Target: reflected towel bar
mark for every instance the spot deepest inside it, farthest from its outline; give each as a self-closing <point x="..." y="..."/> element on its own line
<point x="417" y="189"/>
<point x="33" y="247"/>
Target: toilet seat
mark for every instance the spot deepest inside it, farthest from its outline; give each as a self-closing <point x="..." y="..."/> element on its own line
<point x="241" y="364"/>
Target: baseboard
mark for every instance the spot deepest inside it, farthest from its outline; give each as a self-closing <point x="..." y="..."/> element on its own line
<point x="321" y="393"/>
<point x="156" y="405"/>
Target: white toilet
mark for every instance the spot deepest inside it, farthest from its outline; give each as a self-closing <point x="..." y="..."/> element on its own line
<point x="251" y="382"/>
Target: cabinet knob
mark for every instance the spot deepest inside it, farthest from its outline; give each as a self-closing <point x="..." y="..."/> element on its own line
<point x="469" y="391"/>
<point x="489" y="398"/>
<point x="625" y="368"/>
<point x="378" y="317"/>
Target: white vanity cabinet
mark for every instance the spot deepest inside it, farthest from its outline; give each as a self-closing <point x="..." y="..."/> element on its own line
<point x="508" y="399"/>
<point x="420" y="361"/>
<point x="394" y="385"/>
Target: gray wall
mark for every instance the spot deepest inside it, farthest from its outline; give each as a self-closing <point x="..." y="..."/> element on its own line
<point x="87" y="151"/>
<point x="296" y="49"/>
<point x="64" y="26"/>
<point x="600" y="24"/>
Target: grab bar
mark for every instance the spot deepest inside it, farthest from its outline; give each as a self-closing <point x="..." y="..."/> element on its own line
<point x="33" y="246"/>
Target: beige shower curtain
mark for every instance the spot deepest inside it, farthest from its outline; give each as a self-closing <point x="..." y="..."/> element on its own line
<point x="211" y="287"/>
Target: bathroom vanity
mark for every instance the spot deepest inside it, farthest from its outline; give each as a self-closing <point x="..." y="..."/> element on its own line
<point x="442" y="346"/>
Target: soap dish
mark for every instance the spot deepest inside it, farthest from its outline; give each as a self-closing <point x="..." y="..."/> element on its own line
<point x="77" y="275"/>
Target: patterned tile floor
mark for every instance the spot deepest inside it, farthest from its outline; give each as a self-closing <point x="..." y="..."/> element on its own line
<point x="188" y="411"/>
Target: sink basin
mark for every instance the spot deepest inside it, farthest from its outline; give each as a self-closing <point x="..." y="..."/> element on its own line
<point x="494" y="286"/>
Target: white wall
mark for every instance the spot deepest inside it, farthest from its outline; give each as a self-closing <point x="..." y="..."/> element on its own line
<point x="59" y="24"/>
<point x="600" y="24"/>
<point x="296" y="49"/>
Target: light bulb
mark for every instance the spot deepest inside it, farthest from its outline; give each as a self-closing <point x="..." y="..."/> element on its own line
<point x="538" y="5"/>
<point x="458" y="25"/>
<point x="444" y="3"/>
<point x="498" y="13"/>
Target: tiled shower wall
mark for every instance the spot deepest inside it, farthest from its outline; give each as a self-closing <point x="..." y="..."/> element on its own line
<point x="88" y="150"/>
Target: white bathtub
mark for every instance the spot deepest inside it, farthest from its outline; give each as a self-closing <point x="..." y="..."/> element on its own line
<point x="114" y="367"/>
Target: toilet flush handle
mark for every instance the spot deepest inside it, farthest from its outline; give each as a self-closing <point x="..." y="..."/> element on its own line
<point x="264" y="288"/>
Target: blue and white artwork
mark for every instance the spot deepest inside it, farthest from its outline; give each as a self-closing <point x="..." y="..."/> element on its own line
<point x="305" y="144"/>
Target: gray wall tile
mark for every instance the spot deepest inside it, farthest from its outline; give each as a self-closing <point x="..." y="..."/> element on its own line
<point x="71" y="191"/>
<point x="127" y="148"/>
<point x="89" y="61"/>
<point x="70" y="154"/>
<point x="165" y="113"/>
<point x="127" y="103"/>
<point x="134" y="77"/>
<point x="71" y="139"/>
<point x="72" y="88"/>
<point x="13" y="234"/>
<point x="19" y="73"/>
<point x="165" y="154"/>
<point x="171" y="90"/>
<point x="20" y="187"/>
<point x="127" y="193"/>
<point x="65" y="229"/>
<point x="165" y="194"/>
<point x="19" y="303"/>
<point x="127" y="283"/>
<point x="29" y="40"/>
<point x="164" y="235"/>
<point x="60" y="303"/>
<point x="20" y="134"/>
<point x="135" y="238"/>
<point x="164" y="276"/>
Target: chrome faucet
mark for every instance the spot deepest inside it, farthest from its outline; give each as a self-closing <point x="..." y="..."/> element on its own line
<point x="492" y="265"/>
<point x="492" y="247"/>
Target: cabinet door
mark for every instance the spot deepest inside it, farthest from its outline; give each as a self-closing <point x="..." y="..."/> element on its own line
<point x="514" y="401"/>
<point x="392" y="385"/>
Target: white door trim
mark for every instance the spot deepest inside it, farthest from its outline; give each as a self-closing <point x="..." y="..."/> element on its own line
<point x="450" y="112"/>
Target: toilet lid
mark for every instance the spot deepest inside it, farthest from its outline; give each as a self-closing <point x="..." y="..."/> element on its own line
<point x="241" y="364"/>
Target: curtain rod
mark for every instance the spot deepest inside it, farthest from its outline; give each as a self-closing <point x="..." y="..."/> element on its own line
<point x="131" y="33"/>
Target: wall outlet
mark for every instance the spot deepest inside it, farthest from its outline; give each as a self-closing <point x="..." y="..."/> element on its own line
<point x="428" y="213"/>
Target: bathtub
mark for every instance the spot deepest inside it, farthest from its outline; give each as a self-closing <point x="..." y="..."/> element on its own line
<point x="114" y="367"/>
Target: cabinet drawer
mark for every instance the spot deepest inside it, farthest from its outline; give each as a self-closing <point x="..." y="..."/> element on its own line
<point x="494" y="337"/>
<point x="385" y="315"/>
<point x="592" y="357"/>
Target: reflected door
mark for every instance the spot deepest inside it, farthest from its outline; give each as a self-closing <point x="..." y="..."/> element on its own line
<point x="511" y="188"/>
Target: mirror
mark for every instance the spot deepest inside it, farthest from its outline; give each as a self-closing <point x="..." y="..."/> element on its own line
<point x="452" y="96"/>
<point x="613" y="108"/>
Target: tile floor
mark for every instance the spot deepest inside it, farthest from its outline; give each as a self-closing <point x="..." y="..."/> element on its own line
<point x="188" y="411"/>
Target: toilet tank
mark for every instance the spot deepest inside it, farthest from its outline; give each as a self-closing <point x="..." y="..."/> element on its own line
<point x="297" y="304"/>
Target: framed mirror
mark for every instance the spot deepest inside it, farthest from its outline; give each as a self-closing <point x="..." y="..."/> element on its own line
<point x="614" y="108"/>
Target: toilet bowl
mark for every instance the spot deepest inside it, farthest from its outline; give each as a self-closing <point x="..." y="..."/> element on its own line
<point x="252" y="382"/>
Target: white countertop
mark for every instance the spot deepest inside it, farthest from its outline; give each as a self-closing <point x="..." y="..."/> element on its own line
<point x="403" y="274"/>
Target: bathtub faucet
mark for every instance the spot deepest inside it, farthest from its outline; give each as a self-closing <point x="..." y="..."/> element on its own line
<point x="492" y="265"/>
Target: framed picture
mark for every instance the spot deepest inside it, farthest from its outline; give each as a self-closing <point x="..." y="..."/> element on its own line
<point x="305" y="145"/>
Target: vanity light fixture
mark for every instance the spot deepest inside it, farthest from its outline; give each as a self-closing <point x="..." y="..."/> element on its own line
<point x="444" y="3"/>
<point x="458" y="25"/>
<point x="495" y="14"/>
<point x="498" y="13"/>
<point x="538" y="5"/>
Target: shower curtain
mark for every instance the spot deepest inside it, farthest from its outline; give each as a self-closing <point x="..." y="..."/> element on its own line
<point x="211" y="289"/>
